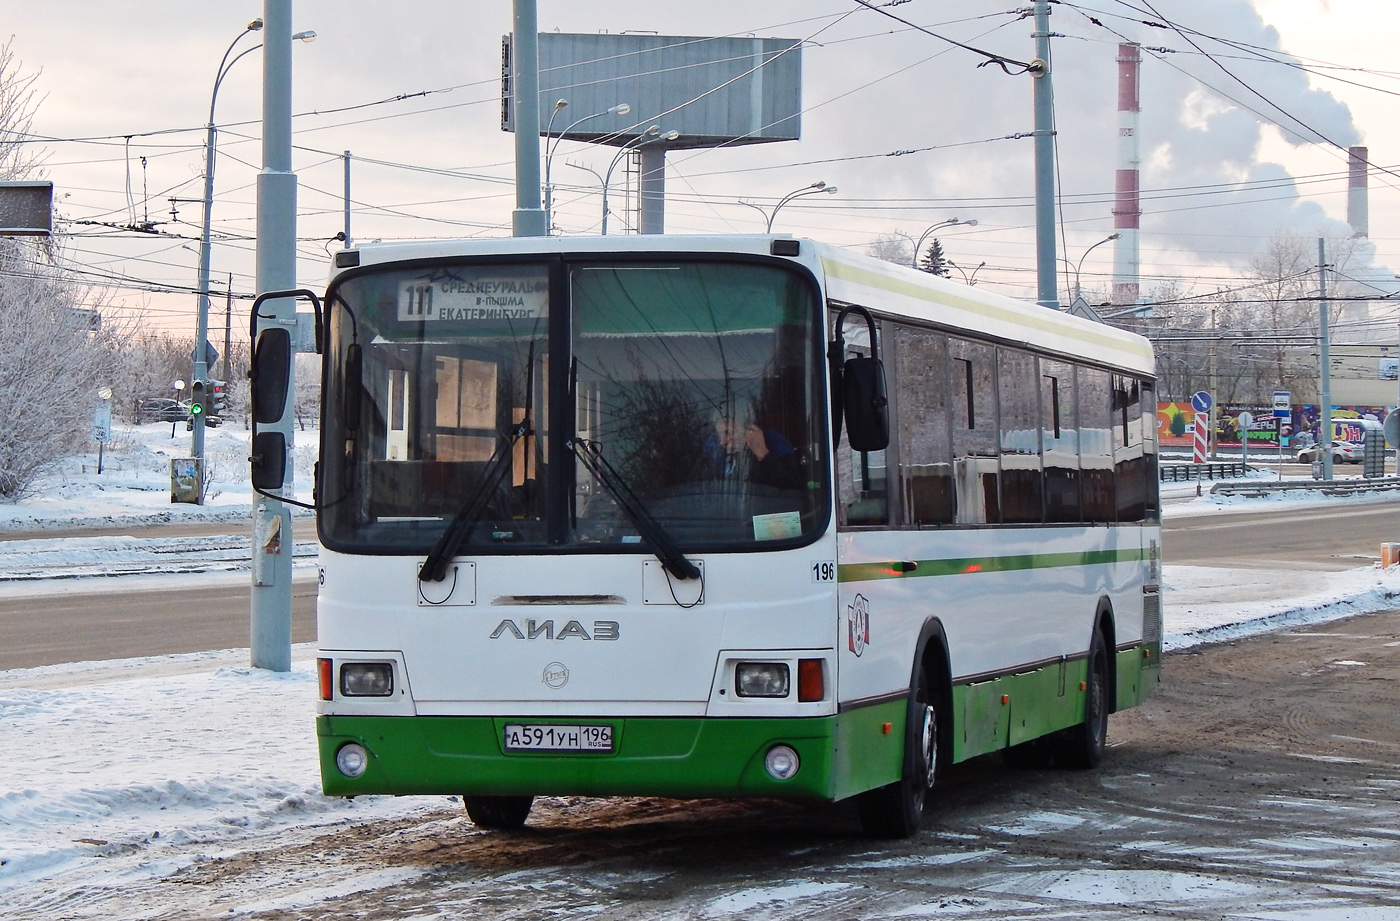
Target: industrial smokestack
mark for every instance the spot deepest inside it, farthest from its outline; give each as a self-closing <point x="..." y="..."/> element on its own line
<point x="1127" y="209"/>
<point x="1357" y="203"/>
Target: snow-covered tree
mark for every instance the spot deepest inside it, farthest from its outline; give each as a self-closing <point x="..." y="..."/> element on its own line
<point x="54" y="352"/>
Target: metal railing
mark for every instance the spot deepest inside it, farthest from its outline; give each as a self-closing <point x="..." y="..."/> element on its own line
<point x="1346" y="487"/>
<point x="1211" y="470"/>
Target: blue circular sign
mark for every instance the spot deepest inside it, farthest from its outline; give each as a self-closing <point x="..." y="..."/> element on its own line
<point x="1201" y="401"/>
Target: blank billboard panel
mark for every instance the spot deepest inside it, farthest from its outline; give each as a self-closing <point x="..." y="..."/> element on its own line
<point x="711" y="90"/>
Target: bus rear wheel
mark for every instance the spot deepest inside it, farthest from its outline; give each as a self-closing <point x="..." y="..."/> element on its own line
<point x="1082" y="746"/>
<point x="897" y="810"/>
<point x="498" y="812"/>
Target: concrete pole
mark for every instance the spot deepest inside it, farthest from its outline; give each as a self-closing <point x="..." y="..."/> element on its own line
<point x="201" y="327"/>
<point x="348" y="242"/>
<point x="270" y="624"/>
<point x="529" y="219"/>
<point x="1324" y="397"/>
<point x="653" y="189"/>
<point x="1047" y="285"/>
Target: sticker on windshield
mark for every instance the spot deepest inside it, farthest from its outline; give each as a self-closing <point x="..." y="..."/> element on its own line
<point x="777" y="526"/>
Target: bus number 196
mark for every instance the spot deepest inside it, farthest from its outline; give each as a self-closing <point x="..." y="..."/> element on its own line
<point x="824" y="571"/>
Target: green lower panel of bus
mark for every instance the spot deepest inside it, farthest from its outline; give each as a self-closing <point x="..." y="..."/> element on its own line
<point x="1011" y="709"/>
<point x="682" y="757"/>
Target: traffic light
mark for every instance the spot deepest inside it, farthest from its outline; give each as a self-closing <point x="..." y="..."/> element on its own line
<point x="199" y="398"/>
<point x="219" y="390"/>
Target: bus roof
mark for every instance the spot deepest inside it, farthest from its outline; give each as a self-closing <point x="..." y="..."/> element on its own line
<point x="849" y="278"/>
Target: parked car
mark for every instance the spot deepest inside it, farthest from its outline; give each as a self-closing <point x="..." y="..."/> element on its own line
<point x="1343" y="452"/>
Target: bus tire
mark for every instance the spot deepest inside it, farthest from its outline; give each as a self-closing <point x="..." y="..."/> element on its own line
<point x="498" y="812"/>
<point x="1082" y="746"/>
<point x="897" y="810"/>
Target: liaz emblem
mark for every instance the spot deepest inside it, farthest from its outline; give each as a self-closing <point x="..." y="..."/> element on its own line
<point x="858" y="624"/>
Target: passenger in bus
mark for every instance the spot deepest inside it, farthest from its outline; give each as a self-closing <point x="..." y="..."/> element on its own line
<point x="740" y="449"/>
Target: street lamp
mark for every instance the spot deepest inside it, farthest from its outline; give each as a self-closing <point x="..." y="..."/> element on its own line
<point x="914" y="262"/>
<point x="552" y="143"/>
<point x="652" y="134"/>
<point x="769" y="217"/>
<point x="1080" y="264"/>
<point x="968" y="280"/>
<point x="201" y="351"/>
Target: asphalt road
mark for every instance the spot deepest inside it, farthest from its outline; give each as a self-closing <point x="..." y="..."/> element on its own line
<point x="93" y="624"/>
<point x="88" y="622"/>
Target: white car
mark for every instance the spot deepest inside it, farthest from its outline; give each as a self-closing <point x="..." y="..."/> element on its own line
<point x="1343" y="452"/>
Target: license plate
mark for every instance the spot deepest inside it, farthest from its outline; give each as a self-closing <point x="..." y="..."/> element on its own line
<point x="524" y="737"/>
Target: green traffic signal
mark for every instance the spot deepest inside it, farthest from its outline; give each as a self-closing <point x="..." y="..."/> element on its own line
<point x="199" y="398"/>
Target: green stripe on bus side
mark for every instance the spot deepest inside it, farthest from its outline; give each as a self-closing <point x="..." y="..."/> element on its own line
<point x="860" y="276"/>
<point x="893" y="569"/>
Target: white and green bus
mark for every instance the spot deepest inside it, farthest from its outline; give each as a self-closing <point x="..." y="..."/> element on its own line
<point x="719" y="516"/>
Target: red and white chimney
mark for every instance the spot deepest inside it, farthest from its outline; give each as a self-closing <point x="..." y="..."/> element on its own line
<point x="1357" y="203"/>
<point x="1127" y="209"/>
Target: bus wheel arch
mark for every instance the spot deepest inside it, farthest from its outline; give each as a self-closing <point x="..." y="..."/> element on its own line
<point x="1104" y="626"/>
<point x="896" y="810"/>
<point x="1082" y="745"/>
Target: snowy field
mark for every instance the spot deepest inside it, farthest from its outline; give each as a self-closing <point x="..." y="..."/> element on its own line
<point x="134" y="769"/>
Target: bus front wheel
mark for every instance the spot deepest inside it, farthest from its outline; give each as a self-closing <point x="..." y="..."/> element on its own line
<point x="897" y="810"/>
<point x="498" y="812"/>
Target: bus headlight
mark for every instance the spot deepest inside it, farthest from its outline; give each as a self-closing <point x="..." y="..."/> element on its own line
<point x="781" y="762"/>
<point x="761" y="679"/>
<point x="352" y="759"/>
<point x="367" y="679"/>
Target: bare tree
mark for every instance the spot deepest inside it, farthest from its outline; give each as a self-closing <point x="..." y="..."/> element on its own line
<point x="54" y="350"/>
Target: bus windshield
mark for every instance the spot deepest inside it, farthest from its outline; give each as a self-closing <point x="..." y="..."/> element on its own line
<point x="689" y="392"/>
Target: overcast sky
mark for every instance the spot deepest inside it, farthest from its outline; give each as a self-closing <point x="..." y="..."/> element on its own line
<point x="1219" y="175"/>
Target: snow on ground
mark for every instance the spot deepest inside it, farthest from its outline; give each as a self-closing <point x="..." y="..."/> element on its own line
<point x="183" y="758"/>
<point x="134" y="485"/>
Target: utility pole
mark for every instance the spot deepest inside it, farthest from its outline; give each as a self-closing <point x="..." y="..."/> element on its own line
<point x="1324" y="397"/>
<point x="529" y="219"/>
<point x="270" y="622"/>
<point x="1047" y="286"/>
<point x="228" y="326"/>
<point x="348" y="242"/>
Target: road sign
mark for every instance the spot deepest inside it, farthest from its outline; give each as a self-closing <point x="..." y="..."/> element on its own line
<point x="1392" y="430"/>
<point x="1283" y="404"/>
<point x="1201" y="401"/>
<point x="102" y="423"/>
<point x="1244" y="421"/>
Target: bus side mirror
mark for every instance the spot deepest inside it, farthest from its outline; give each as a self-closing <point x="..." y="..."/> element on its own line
<point x="354" y="385"/>
<point x="268" y="461"/>
<point x="270" y="374"/>
<point x="866" y="404"/>
<point x="858" y="388"/>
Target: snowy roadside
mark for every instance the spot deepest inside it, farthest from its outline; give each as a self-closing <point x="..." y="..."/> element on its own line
<point x="134" y="769"/>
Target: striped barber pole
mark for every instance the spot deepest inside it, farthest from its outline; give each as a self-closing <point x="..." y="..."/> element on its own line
<point x="1202" y="423"/>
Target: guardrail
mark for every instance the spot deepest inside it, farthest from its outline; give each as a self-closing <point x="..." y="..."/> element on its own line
<point x="1211" y="470"/>
<point x="1325" y="487"/>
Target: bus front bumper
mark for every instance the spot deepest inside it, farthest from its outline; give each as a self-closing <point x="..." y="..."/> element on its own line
<point x="673" y="757"/>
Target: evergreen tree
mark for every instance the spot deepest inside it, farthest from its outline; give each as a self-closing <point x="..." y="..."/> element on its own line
<point x="933" y="260"/>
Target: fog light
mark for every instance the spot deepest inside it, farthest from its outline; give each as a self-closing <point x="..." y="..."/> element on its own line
<point x="367" y="679"/>
<point x="352" y="759"/>
<point x="781" y="761"/>
<point x="761" y="679"/>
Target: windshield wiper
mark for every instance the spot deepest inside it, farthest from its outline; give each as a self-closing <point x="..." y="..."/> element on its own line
<point x="434" y="568"/>
<point x="651" y="530"/>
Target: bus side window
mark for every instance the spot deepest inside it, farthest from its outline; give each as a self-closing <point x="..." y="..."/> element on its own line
<point x="1096" y="444"/>
<point x="1153" y="510"/>
<point x="1130" y="463"/>
<point x="861" y="482"/>
<point x="1059" y="425"/>
<point x="925" y="443"/>
<point x="973" y="409"/>
<point x="1019" y="422"/>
